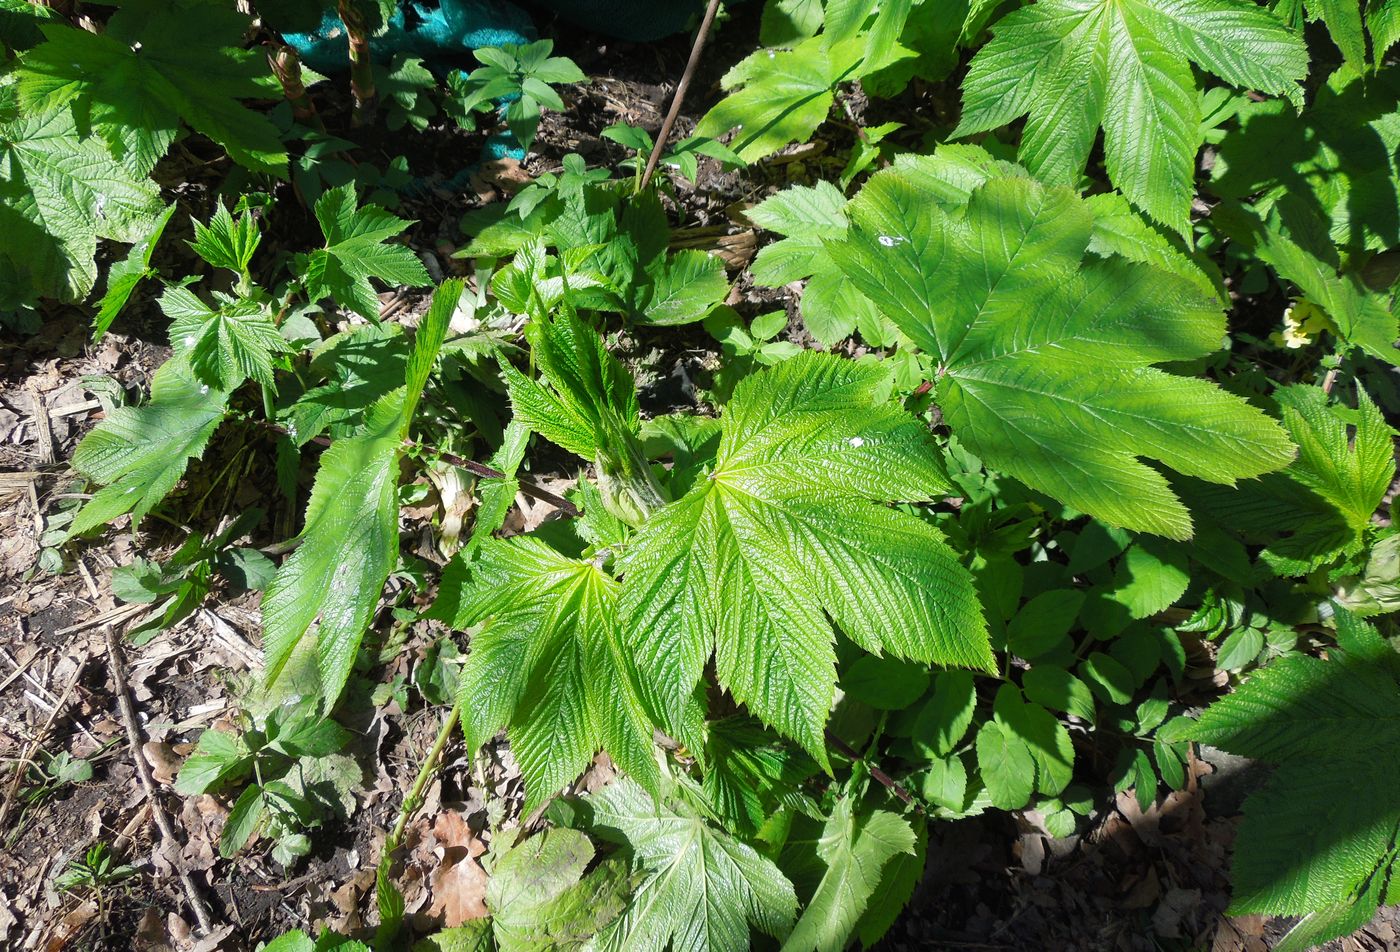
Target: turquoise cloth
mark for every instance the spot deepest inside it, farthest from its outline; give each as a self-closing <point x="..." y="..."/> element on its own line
<point x="442" y="34"/>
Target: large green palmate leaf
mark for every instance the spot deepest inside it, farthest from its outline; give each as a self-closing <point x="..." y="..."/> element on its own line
<point x="158" y="63"/>
<point x="349" y="542"/>
<point x="852" y="853"/>
<point x="699" y="889"/>
<point x="1320" y="837"/>
<point x="1044" y="352"/>
<point x="547" y="664"/>
<point x="225" y="345"/>
<point x="1075" y="65"/>
<point x="59" y="193"/>
<point x="138" y="454"/>
<point x="783" y="533"/>
<point x="356" y="250"/>
<point x="780" y="96"/>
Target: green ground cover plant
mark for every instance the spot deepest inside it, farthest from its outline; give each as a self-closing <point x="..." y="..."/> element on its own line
<point x="1097" y="387"/>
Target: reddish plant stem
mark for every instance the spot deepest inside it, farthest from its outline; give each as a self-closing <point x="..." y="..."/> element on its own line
<point x="890" y="784"/>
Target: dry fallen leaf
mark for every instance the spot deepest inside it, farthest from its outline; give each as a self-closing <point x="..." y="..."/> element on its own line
<point x="459" y="882"/>
<point x="165" y="763"/>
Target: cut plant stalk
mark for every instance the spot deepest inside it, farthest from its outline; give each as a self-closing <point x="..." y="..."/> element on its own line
<point x="286" y="66"/>
<point x="361" y="68"/>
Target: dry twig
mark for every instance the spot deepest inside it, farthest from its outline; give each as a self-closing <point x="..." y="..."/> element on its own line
<point x="679" y="97"/>
<point x="143" y="770"/>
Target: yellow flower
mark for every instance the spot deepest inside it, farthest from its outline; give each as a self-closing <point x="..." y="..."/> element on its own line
<point x="1303" y="321"/>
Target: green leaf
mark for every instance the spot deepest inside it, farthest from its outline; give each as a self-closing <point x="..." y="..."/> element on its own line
<point x="1383" y="23"/>
<point x="857" y="848"/>
<point x="806" y="217"/>
<point x="218" y="759"/>
<point x="749" y="563"/>
<point x="781" y="97"/>
<point x="226" y="242"/>
<point x="1324" y="825"/>
<point x="1007" y="766"/>
<point x="684" y="288"/>
<point x="357" y="250"/>
<point x="945" y="783"/>
<point x="898" y="880"/>
<point x="1045" y="737"/>
<point x="942" y="722"/>
<point x="1059" y="690"/>
<point x="474" y="936"/>
<point x="59" y="193"/>
<point x="750" y="773"/>
<point x="156" y="64"/>
<point x="1343" y="19"/>
<point x="1150" y="577"/>
<point x="699" y="889"/>
<point x="1108" y="678"/>
<point x="541" y="899"/>
<point x="138" y="454"/>
<point x="361" y="365"/>
<point x="123" y="276"/>
<point x="548" y="666"/>
<point x="786" y="22"/>
<point x="1239" y="649"/>
<point x="349" y="542"/>
<point x="886" y="684"/>
<point x="1350" y="468"/>
<point x="1001" y="294"/>
<point x="1043" y="622"/>
<point x="1125" y="65"/>
<point x="243" y="820"/>
<point x="224" y="347"/>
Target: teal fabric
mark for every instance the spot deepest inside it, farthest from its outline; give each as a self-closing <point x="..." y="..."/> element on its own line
<point x="442" y="34"/>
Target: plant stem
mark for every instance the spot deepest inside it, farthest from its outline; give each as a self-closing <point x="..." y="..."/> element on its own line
<point x="361" y="68"/>
<point x="286" y="65"/>
<point x="890" y="784"/>
<point x="415" y="793"/>
<point x="679" y="96"/>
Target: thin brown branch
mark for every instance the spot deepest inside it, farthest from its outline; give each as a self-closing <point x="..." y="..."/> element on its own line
<point x="143" y="770"/>
<point x="669" y="123"/>
<point x="169" y="842"/>
<point x="890" y="784"/>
